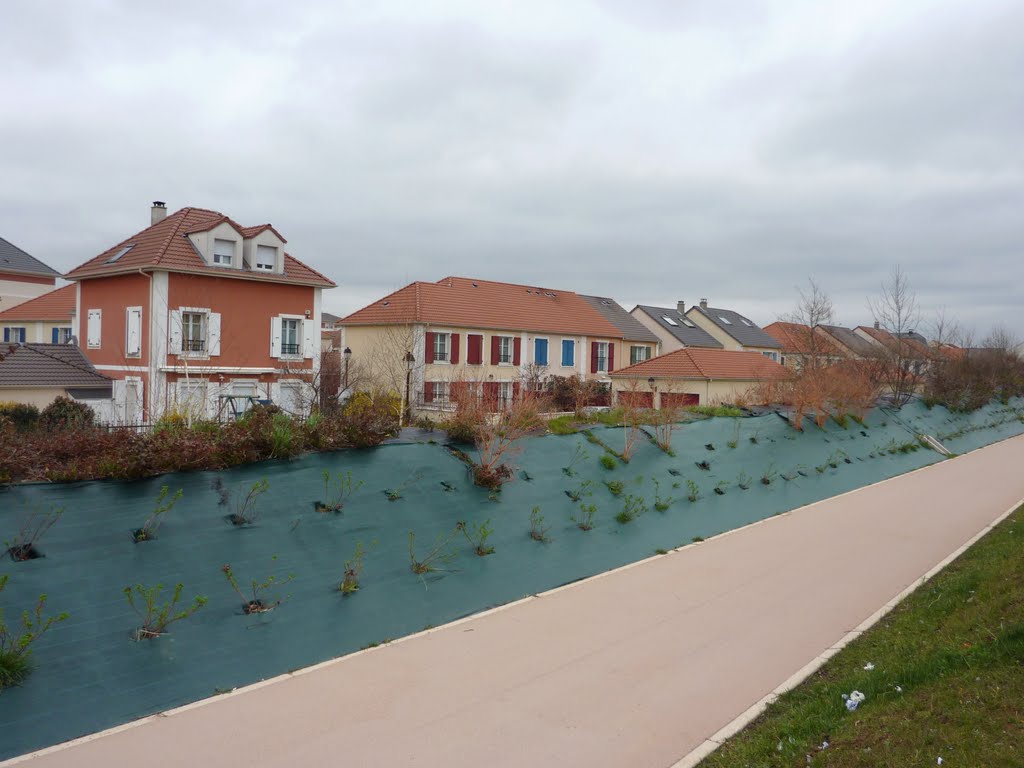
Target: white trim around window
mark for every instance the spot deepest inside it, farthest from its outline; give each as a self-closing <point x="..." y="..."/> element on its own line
<point x="442" y="352"/>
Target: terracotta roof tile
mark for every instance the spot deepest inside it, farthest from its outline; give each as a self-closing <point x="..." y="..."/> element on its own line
<point x="56" y="305"/>
<point x="165" y="245"/>
<point x="795" y="339"/>
<point x="468" y="303"/>
<point x="699" y="363"/>
<point x="912" y="348"/>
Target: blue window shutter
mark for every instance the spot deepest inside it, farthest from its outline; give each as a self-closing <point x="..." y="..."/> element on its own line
<point x="540" y="351"/>
<point x="567" y="351"/>
<point x="55" y="338"/>
<point x="7" y="334"/>
<point x="21" y="335"/>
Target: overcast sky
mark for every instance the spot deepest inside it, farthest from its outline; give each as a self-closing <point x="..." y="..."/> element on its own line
<point x="647" y="150"/>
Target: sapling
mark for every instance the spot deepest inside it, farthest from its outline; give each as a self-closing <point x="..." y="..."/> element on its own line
<point x="743" y="481"/>
<point x="394" y="494"/>
<point x="584" y="519"/>
<point x="769" y="475"/>
<point x="577" y="494"/>
<point x="245" y="511"/>
<point x="660" y="504"/>
<point x="633" y="507"/>
<point x="735" y="435"/>
<point x="615" y="486"/>
<point x="337" y="490"/>
<point x="257" y="600"/>
<point x="481" y="532"/>
<point x="16" y="646"/>
<point x="148" y="530"/>
<point x="538" y="531"/>
<point x="753" y="438"/>
<point x="353" y="567"/>
<point x="156" y="616"/>
<point x="33" y="526"/>
<point x="440" y="554"/>
<point x="693" y="491"/>
<point x="579" y="455"/>
<point x="720" y="487"/>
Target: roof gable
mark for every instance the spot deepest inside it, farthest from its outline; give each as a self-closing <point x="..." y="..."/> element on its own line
<point x="42" y="365"/>
<point x="58" y="305"/>
<point x="739" y="327"/>
<point x="468" y="303"/>
<point x="13" y="259"/>
<point x="631" y="328"/>
<point x="800" y="339"/>
<point x="680" y="327"/>
<point x="697" y="363"/>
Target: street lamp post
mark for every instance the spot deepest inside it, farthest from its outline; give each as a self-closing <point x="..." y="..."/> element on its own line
<point x="654" y="390"/>
<point x="347" y="354"/>
<point x="410" y="361"/>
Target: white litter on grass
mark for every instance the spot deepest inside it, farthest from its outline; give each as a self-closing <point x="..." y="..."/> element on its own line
<point x="898" y="689"/>
<point x="938" y="761"/>
<point x="868" y="667"/>
<point x="853" y="700"/>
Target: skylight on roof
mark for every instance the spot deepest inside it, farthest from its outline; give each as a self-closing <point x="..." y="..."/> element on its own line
<point x="746" y="322"/>
<point x="688" y="323"/>
<point x="669" y="320"/>
<point x="119" y="254"/>
<point x="725" y="320"/>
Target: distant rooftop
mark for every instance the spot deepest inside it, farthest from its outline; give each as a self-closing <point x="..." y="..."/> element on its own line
<point x="741" y="328"/>
<point x="680" y="326"/>
<point x="13" y="259"/>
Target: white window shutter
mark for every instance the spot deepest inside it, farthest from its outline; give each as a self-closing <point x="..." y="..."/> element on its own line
<point x="133" y="332"/>
<point x="93" y="331"/>
<point x="214" y="331"/>
<point x="309" y="336"/>
<point x="275" y="337"/>
<point x="174" y="329"/>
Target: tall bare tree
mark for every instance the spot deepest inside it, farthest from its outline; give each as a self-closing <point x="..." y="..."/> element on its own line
<point x="814" y="309"/>
<point x="896" y="312"/>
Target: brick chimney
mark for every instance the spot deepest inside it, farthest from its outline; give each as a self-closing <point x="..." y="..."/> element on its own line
<point x="877" y="326"/>
<point x="158" y="212"/>
<point x="703" y="303"/>
<point x="681" y="306"/>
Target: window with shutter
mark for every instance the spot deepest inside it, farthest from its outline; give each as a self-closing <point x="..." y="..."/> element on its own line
<point x="266" y="258"/>
<point x="475" y="349"/>
<point x="568" y="353"/>
<point x="454" y="354"/>
<point x="223" y="252"/>
<point x="540" y="351"/>
<point x="495" y="350"/>
<point x="517" y="350"/>
<point x="428" y="347"/>
<point x="133" y="332"/>
<point x="93" y="330"/>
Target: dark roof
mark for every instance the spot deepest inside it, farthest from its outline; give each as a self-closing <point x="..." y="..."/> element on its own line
<point x="913" y="335"/>
<point x="48" y="365"/>
<point x="858" y="345"/>
<point x="326" y="318"/>
<point x="690" y="337"/>
<point x="741" y="328"/>
<point x="13" y="259"/>
<point x="632" y="329"/>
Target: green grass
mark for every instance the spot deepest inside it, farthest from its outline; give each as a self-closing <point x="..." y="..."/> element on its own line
<point x="714" y="410"/>
<point x="948" y="679"/>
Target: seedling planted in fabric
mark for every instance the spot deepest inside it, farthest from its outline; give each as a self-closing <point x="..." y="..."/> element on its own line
<point x="584" y="518"/>
<point x="538" y="531"/>
<point x="32" y="528"/>
<point x="16" y="645"/>
<point x="615" y="486"/>
<point x="632" y="508"/>
<point x="608" y="461"/>
<point x="440" y="554"/>
<point x="257" y="600"/>
<point x="148" y="530"/>
<point x="245" y="511"/>
<point x="353" y="567"/>
<point x="337" y="490"/>
<point x="693" y="491"/>
<point x="660" y="504"/>
<point x="478" y="538"/>
<point x="156" y="616"/>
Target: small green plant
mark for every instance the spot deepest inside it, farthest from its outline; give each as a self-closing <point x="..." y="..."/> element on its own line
<point x="32" y="528"/>
<point x="735" y="434"/>
<point x="743" y="481"/>
<point x="692" y="491"/>
<point x="697" y="539"/>
<point x="245" y="511"/>
<point x="633" y="507"/>
<point x="16" y="646"/>
<point x="580" y="455"/>
<point x="769" y="475"/>
<point x="584" y="518"/>
<point x="578" y="494"/>
<point x="753" y="438"/>
<point x="394" y="494"/>
<point x="481" y="533"/>
<point x="538" y="531"/>
<point x="148" y="530"/>
<point x="353" y="567"/>
<point x="835" y="458"/>
<point x="661" y="551"/>
<point x="720" y="487"/>
<point x="615" y="486"/>
<point x="608" y="461"/>
<point x="337" y="490"/>
<point x="257" y="600"/>
<point x="156" y="616"/>
<point x="660" y="504"/>
<point x="440" y="554"/>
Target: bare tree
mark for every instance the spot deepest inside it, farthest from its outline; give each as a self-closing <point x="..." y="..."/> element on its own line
<point x="815" y="309"/>
<point x="896" y="312"/>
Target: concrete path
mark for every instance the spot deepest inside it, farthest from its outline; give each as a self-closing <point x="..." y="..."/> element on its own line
<point x="634" y="668"/>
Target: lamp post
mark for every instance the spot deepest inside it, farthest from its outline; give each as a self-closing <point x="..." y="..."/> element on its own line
<point x="654" y="390"/>
<point x="410" y="361"/>
<point x="347" y="354"/>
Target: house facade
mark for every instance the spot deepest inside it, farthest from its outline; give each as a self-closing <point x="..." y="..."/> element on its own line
<point x="196" y="313"/>
<point x="46" y="319"/>
<point x="22" y="276"/>
<point x="673" y="328"/>
<point x="693" y="376"/>
<point x="37" y="374"/>
<point x="734" y="331"/>
<point x="431" y="341"/>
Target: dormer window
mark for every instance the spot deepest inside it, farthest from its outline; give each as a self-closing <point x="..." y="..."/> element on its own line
<point x="266" y="258"/>
<point x="224" y="252"/>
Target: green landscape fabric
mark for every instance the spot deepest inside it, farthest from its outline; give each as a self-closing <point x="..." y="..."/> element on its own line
<point x="90" y="674"/>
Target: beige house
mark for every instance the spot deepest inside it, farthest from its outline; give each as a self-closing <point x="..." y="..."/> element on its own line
<point x="733" y="331"/>
<point x="693" y="377"/>
<point x="673" y="328"/>
<point x="37" y="374"/>
<point x="22" y="276"/>
<point x="47" y="319"/>
<point x="430" y="341"/>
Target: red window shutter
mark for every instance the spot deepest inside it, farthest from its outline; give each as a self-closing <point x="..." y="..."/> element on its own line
<point x="491" y="391"/>
<point x="516" y="386"/>
<point x="428" y="392"/>
<point x="593" y="357"/>
<point x="454" y="356"/>
<point x="475" y="351"/>
<point x="428" y="350"/>
<point x="611" y="356"/>
<point x="517" y="349"/>
<point x="495" y="349"/>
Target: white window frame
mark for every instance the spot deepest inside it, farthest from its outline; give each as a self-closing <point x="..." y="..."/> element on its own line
<point x="247" y="384"/>
<point x="64" y="334"/>
<point x="16" y="330"/>
<point x="504" y="391"/>
<point x="771" y="355"/>
<point x="640" y="358"/>
<point x="506" y="355"/>
<point x="442" y="347"/>
<point x="297" y="355"/>
<point x="215" y="258"/>
<point x="263" y="266"/>
<point x="602" y="368"/>
<point x="185" y="391"/>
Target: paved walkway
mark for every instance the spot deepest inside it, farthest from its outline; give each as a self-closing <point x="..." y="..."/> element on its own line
<point x="634" y="668"/>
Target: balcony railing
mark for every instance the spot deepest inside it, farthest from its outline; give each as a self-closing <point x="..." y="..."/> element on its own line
<point x="193" y="345"/>
<point x="290" y="349"/>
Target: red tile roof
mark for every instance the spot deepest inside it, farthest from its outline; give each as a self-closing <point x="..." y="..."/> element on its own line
<point x="911" y="348"/>
<point x="700" y="363"/>
<point x="56" y="305"/>
<point x="468" y="303"/>
<point x="165" y="245"/>
<point x="795" y="339"/>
